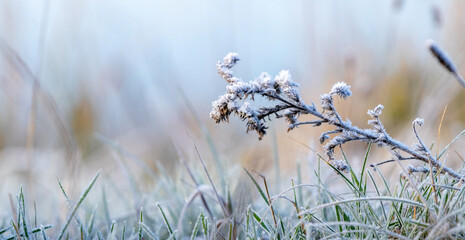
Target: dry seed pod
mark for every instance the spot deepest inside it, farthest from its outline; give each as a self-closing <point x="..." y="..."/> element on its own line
<point x="441" y="56"/>
<point x="444" y="60"/>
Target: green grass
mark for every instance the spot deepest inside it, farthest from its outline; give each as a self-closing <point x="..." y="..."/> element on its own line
<point x="369" y="208"/>
<point x="196" y="202"/>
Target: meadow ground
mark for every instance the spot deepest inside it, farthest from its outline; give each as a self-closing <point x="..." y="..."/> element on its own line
<point x="116" y="124"/>
<point x="328" y="195"/>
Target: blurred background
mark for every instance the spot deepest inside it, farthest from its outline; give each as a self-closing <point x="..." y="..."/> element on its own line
<point x="81" y="80"/>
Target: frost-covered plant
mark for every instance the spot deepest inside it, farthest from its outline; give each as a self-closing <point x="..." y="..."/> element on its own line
<point x="283" y="92"/>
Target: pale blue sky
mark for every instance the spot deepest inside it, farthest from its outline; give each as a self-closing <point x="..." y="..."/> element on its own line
<point x="129" y="56"/>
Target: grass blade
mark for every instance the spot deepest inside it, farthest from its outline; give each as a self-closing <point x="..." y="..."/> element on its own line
<point x="196" y="227"/>
<point x="78" y="204"/>
<point x="22" y="211"/>
<point x="205" y="226"/>
<point x="140" y="223"/>
<point x="450" y="144"/>
<point x="170" y="230"/>
<point x="363" y="167"/>
<point x="123" y="235"/>
<point x="35" y="230"/>
<point x="148" y="231"/>
<point x="258" y="187"/>
<point x="105" y="206"/>
<point x="261" y="222"/>
<point x="209" y="138"/>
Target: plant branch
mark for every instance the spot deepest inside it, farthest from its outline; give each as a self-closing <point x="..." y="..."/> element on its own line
<point x="284" y="91"/>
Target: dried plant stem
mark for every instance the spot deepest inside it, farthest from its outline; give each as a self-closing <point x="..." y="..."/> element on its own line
<point x="284" y="94"/>
<point x="439" y="128"/>
<point x="202" y="197"/>
<point x="269" y="198"/>
<point x="385" y="139"/>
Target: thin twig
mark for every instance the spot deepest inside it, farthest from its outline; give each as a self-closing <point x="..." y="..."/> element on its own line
<point x="220" y="200"/>
<point x="428" y="153"/>
<point x="390" y="161"/>
<point x="202" y="197"/>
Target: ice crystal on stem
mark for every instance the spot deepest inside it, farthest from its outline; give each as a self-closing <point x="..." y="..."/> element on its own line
<point x="341" y="89"/>
<point x="418" y="121"/>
